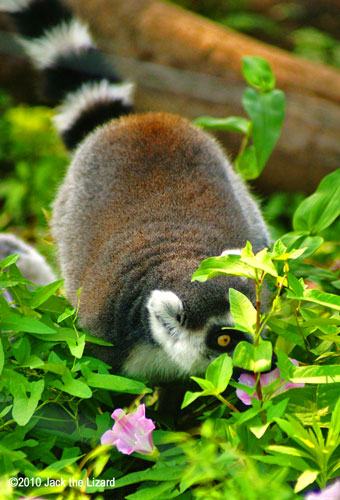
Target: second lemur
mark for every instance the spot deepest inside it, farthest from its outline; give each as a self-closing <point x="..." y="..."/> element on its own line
<point x="146" y="198"/>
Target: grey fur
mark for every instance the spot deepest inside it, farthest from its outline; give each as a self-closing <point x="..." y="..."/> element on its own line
<point x="32" y="265"/>
<point x="145" y="200"/>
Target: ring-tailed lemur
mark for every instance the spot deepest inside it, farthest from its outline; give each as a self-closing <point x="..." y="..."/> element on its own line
<point x="145" y="200"/>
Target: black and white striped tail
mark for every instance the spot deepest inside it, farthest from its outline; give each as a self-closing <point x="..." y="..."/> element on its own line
<point x="77" y="75"/>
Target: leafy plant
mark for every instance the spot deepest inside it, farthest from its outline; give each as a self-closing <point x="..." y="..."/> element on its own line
<point x="265" y="106"/>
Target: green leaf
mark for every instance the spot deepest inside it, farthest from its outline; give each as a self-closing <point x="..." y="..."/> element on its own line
<point x="243" y="311"/>
<point x="190" y="397"/>
<point x="323" y="374"/>
<point x="160" y="473"/>
<point x="66" y="314"/>
<point x="286" y="330"/>
<point x="16" y="323"/>
<point x="8" y="261"/>
<point x="318" y="211"/>
<point x="219" y="372"/>
<point x="262" y="260"/>
<point x="246" y="164"/>
<point x="116" y="383"/>
<point x="204" y="384"/>
<point x="319" y="297"/>
<point x="255" y="358"/>
<point x="24" y="406"/>
<point x="305" y="479"/>
<point x="42" y="293"/>
<point x="72" y="386"/>
<point x="222" y="265"/>
<point x="280" y="252"/>
<point x="267" y="113"/>
<point x="76" y="345"/>
<point x="288" y="450"/>
<point x="21" y="349"/>
<point x="231" y="123"/>
<point x="258" y="73"/>
<point x="302" y="241"/>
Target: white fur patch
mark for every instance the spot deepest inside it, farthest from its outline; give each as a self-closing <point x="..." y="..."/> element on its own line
<point x="233" y="251"/>
<point x="32" y="265"/>
<point x="184" y="348"/>
<point x="89" y="93"/>
<point x="60" y="40"/>
<point x="14" y="5"/>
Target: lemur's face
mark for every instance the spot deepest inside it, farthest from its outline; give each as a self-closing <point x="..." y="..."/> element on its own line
<point x="179" y="349"/>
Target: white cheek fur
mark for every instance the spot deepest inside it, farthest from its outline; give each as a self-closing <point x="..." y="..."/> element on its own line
<point x="184" y="348"/>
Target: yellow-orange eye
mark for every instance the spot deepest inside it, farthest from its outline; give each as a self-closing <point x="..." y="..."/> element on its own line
<point x="223" y="340"/>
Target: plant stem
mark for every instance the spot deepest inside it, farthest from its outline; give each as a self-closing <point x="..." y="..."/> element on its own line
<point x="226" y="402"/>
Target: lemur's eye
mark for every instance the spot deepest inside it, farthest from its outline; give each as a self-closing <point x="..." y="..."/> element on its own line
<point x="223" y="340"/>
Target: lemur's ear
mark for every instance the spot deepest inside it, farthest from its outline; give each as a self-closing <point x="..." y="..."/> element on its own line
<point x="165" y="307"/>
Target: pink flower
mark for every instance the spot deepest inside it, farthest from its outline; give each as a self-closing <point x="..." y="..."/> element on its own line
<point x="131" y="432"/>
<point x="265" y="380"/>
<point x="330" y="493"/>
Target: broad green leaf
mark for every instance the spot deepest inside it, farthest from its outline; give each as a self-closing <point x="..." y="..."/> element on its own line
<point x="286" y="330"/>
<point x="21" y="349"/>
<point x="288" y="450"/>
<point x="301" y="240"/>
<point x="258" y="428"/>
<point x="319" y="297"/>
<point x="298" y="433"/>
<point x="243" y="311"/>
<point x="295" y="284"/>
<point x="220" y="371"/>
<point x="190" y="397"/>
<point x="24" y="406"/>
<point x="16" y="323"/>
<point x="54" y="368"/>
<point x="254" y="358"/>
<point x="267" y="112"/>
<point x="231" y="123"/>
<point x="72" y="386"/>
<point x="222" y="265"/>
<point x="305" y="479"/>
<point x="261" y="260"/>
<point x="76" y="345"/>
<point x="258" y="73"/>
<point x="323" y="374"/>
<point x="8" y="261"/>
<point x="116" y="383"/>
<point x="44" y="292"/>
<point x="318" y="211"/>
<point x="203" y="383"/>
<point x="246" y="164"/>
